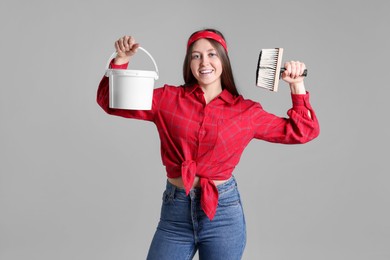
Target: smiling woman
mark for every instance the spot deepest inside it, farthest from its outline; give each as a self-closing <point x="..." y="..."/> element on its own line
<point x="204" y="127"/>
<point x="217" y="40"/>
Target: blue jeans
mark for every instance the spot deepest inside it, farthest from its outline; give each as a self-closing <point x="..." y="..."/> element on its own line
<point x="184" y="228"/>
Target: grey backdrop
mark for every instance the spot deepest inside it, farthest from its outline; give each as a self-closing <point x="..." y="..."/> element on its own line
<point x="76" y="183"/>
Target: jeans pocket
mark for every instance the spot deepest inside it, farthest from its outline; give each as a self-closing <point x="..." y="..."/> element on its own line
<point x="229" y="198"/>
<point x="170" y="197"/>
<point x="167" y="197"/>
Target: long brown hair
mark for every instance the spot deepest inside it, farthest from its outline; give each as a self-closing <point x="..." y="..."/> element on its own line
<point x="227" y="79"/>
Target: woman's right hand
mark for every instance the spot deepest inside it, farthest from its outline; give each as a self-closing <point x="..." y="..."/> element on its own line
<point x="125" y="48"/>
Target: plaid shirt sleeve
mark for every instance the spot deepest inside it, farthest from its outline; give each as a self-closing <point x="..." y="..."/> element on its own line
<point x="301" y="126"/>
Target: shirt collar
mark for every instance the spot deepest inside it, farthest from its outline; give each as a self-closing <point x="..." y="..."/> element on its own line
<point x="227" y="97"/>
<point x="225" y="94"/>
<point x="192" y="88"/>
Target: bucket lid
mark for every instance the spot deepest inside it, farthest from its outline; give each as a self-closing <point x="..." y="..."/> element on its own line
<point x="136" y="73"/>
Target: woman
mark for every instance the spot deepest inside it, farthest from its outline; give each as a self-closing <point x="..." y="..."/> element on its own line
<point x="204" y="127"/>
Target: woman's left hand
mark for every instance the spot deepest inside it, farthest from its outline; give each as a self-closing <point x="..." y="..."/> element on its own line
<point x="293" y="76"/>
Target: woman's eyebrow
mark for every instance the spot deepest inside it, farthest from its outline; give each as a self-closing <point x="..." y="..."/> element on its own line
<point x="206" y="51"/>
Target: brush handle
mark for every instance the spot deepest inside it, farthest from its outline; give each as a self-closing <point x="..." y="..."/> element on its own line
<point x="304" y="72"/>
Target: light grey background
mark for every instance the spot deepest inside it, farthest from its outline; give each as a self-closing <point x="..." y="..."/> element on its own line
<point x="76" y="183"/>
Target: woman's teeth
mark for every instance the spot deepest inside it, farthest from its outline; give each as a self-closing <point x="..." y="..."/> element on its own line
<point x="205" y="71"/>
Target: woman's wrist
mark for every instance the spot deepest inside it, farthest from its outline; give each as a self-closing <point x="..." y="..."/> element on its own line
<point x="121" y="61"/>
<point x="297" y="88"/>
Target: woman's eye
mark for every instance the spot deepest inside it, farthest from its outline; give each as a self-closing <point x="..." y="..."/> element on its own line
<point x="195" y="56"/>
<point x="212" y="54"/>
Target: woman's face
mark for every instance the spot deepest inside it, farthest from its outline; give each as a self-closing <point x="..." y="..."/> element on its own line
<point x="206" y="65"/>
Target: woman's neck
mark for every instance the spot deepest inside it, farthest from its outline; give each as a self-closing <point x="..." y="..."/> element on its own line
<point x="211" y="92"/>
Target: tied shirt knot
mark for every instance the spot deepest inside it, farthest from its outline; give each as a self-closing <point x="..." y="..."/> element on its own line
<point x="209" y="192"/>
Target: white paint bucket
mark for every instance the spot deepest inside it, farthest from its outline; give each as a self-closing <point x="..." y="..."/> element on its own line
<point x="131" y="89"/>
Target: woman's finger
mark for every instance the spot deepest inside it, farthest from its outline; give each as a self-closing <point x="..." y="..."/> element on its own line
<point x="294" y="68"/>
<point x="287" y="67"/>
<point x="134" y="48"/>
<point x="123" y="43"/>
<point x="126" y="46"/>
<point x="131" y="42"/>
<point x="303" y="67"/>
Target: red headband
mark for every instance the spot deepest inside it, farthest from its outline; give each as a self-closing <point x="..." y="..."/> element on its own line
<point x="207" y="35"/>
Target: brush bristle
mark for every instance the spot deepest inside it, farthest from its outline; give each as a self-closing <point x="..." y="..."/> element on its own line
<point x="268" y="69"/>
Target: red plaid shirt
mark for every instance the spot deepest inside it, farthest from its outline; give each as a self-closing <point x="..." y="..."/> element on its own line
<point x="207" y="140"/>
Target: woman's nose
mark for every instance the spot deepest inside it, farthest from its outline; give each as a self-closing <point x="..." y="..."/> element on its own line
<point x="205" y="60"/>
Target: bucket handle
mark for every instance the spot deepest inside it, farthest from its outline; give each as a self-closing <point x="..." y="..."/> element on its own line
<point x="142" y="49"/>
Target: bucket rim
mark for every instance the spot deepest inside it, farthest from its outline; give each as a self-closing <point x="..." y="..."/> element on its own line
<point x="132" y="73"/>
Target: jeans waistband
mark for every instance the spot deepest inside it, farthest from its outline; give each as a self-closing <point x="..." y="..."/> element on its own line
<point x="170" y="188"/>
